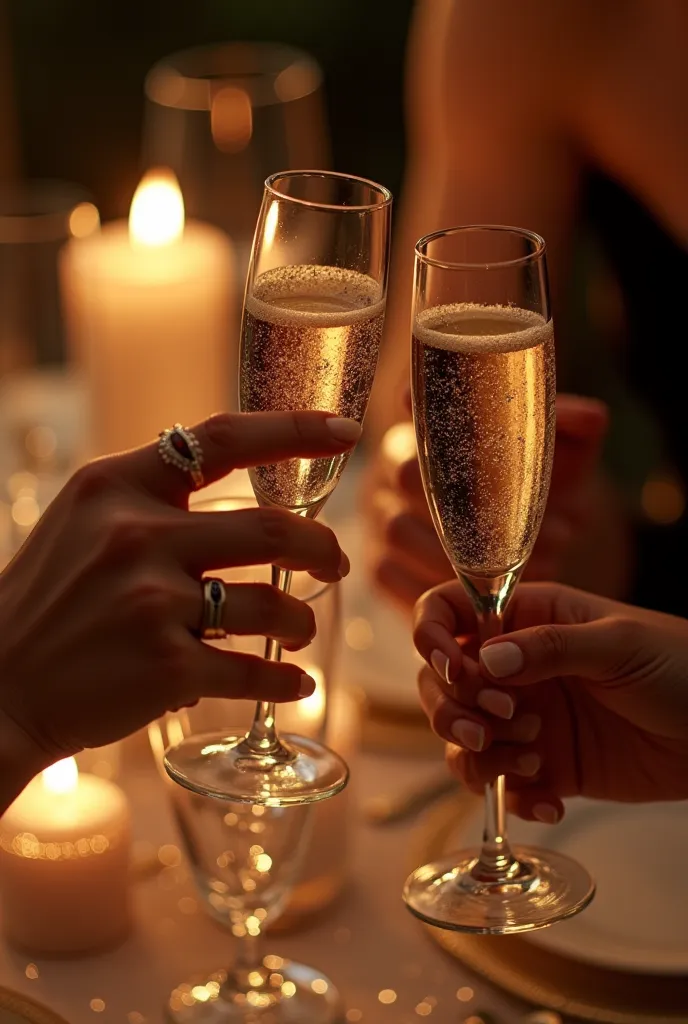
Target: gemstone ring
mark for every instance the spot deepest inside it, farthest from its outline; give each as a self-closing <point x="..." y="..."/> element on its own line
<point x="214" y="597"/>
<point x="179" y="447"/>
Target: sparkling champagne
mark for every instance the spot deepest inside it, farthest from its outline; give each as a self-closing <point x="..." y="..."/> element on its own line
<point x="310" y="340"/>
<point x="484" y="391"/>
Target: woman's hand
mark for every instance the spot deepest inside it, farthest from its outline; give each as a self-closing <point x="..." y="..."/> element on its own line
<point x="584" y="696"/>
<point x="99" y="608"/>
<point x="407" y="556"/>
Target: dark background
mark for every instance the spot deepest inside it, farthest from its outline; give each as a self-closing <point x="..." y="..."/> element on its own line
<point x="79" y="68"/>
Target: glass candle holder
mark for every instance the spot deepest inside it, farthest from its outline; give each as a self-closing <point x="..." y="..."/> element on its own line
<point x="224" y="117"/>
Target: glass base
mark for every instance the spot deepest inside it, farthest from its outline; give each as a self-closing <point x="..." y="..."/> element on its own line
<point x="301" y="771"/>
<point x="290" y="993"/>
<point x="547" y="887"/>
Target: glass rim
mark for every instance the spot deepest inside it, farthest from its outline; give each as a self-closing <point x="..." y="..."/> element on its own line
<point x="170" y="83"/>
<point x="537" y="253"/>
<point x="365" y="208"/>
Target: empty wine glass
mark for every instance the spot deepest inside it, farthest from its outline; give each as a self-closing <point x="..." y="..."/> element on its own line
<point x="311" y="332"/>
<point x="483" y="405"/>
<point x="245" y="859"/>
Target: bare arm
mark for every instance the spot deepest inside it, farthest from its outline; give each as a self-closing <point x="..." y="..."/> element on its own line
<point x="486" y="145"/>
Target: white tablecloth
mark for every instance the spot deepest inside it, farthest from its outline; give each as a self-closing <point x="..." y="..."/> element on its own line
<point x="366" y="943"/>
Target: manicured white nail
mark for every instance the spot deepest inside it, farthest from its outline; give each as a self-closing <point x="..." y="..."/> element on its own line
<point x="528" y="764"/>
<point x="547" y="813"/>
<point x="307" y="686"/>
<point x="343" y="429"/>
<point x="502" y="659"/>
<point x="497" y="703"/>
<point x="440" y="663"/>
<point x="469" y="734"/>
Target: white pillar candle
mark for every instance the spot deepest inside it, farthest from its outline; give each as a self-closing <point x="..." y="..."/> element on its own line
<point x="64" y="863"/>
<point x="148" y="312"/>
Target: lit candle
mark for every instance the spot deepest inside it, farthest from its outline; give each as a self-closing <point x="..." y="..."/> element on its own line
<point x="325" y="868"/>
<point x="148" y="312"/>
<point x="64" y="863"/>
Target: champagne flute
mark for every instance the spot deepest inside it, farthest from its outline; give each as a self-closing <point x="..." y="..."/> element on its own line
<point x="483" y="405"/>
<point x="310" y="336"/>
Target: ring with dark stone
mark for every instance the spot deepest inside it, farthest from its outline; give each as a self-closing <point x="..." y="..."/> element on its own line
<point x="178" y="446"/>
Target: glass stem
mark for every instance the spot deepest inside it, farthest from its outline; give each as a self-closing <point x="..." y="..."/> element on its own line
<point x="262" y="738"/>
<point x="247" y="973"/>
<point x="496" y="862"/>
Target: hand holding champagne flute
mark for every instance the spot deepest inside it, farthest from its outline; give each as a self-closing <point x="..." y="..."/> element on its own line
<point x="311" y="331"/>
<point x="483" y="404"/>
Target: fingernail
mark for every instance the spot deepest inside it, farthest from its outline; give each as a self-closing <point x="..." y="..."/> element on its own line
<point x="344" y="565"/>
<point x="440" y="663"/>
<point x="528" y="764"/>
<point x="497" y="703"/>
<point x="307" y="686"/>
<point x="343" y="429"/>
<point x="526" y="728"/>
<point x="502" y="659"/>
<point x="547" y="813"/>
<point x="469" y="734"/>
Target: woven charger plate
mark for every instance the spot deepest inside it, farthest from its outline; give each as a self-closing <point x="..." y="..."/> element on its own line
<point x="579" y="990"/>
<point x="16" y="1008"/>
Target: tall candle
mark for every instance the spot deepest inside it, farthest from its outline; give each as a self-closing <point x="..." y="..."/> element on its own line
<point x="64" y="863"/>
<point x="148" y="311"/>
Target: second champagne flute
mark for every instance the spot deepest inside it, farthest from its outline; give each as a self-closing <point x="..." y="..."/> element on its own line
<point x="311" y="331"/>
<point x="483" y="405"/>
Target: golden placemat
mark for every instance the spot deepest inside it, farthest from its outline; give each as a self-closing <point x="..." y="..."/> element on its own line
<point x="16" y="1008"/>
<point x="583" y="991"/>
<point x="386" y="729"/>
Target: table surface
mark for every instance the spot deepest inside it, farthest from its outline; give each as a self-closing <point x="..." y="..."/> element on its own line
<point x="367" y="942"/>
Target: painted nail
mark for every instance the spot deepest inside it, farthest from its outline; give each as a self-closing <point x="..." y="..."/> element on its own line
<point x="547" y="813"/>
<point x="344" y="565"/>
<point x="528" y="764"/>
<point x="502" y="659"/>
<point x="469" y="734"/>
<point x="526" y="728"/>
<point x="343" y="429"/>
<point x="440" y="663"/>
<point x="307" y="686"/>
<point x="497" y="703"/>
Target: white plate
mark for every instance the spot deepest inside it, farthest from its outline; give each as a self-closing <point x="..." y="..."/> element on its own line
<point x="638" y="856"/>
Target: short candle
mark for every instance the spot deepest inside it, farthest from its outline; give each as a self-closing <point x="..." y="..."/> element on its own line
<point x="64" y="863"/>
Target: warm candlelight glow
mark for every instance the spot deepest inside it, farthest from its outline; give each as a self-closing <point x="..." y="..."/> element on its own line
<point x="271" y="222"/>
<point x="231" y="119"/>
<point x="61" y="777"/>
<point x="399" y="443"/>
<point x="84" y="220"/>
<point x="313" y="708"/>
<point x="157" y="210"/>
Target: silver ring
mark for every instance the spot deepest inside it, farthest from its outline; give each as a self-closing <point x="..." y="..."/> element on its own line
<point x="178" y="446"/>
<point x="214" y="597"/>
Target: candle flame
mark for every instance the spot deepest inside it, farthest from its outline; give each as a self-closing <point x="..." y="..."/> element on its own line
<point x="61" y="777"/>
<point x="156" y="216"/>
<point x="313" y="708"/>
